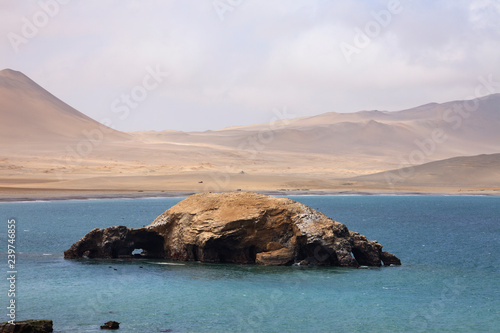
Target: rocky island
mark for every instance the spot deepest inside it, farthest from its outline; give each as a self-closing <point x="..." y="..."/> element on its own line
<point x="238" y="227"/>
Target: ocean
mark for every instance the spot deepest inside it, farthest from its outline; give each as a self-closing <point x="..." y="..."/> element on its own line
<point x="449" y="280"/>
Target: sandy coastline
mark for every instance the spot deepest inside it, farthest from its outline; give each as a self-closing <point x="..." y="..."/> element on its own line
<point x="15" y="195"/>
<point x="53" y="157"/>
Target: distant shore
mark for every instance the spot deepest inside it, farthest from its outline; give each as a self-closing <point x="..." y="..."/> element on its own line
<point x="18" y="195"/>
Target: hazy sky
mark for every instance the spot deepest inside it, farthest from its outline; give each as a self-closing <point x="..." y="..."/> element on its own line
<point x="232" y="62"/>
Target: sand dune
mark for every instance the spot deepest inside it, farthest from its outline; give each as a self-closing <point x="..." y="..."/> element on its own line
<point x="46" y="145"/>
<point x="480" y="171"/>
<point x="465" y="128"/>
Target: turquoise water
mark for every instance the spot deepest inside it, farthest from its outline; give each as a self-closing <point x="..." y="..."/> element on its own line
<point x="449" y="280"/>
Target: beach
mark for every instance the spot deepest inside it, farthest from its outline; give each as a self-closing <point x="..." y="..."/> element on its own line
<point x="13" y="195"/>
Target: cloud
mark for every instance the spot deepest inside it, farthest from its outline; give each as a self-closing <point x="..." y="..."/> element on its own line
<point x="263" y="55"/>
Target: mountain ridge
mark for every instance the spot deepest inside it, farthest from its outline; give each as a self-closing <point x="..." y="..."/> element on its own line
<point x="47" y="144"/>
<point x="31" y="114"/>
<point x="475" y="171"/>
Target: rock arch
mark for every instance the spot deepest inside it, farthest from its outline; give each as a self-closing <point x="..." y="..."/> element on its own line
<point x="117" y="242"/>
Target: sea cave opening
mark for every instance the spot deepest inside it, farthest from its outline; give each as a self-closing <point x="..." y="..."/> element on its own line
<point x="145" y="244"/>
<point x="137" y="253"/>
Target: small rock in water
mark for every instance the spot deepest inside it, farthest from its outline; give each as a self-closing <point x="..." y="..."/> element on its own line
<point x="28" y="326"/>
<point x="111" y="325"/>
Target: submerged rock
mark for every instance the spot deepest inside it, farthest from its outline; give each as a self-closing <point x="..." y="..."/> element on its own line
<point x="238" y="227"/>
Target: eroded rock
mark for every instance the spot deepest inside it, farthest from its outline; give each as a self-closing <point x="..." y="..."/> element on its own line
<point x="238" y="227"/>
<point x="115" y="242"/>
<point x="389" y="259"/>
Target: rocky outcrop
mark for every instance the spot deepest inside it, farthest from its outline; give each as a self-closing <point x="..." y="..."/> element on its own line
<point x="389" y="259"/>
<point x="27" y="326"/>
<point x="239" y="227"/>
<point x="110" y="325"/>
<point x="116" y="242"/>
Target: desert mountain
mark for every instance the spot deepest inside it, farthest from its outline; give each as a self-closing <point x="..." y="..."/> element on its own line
<point x="46" y="144"/>
<point x="457" y="128"/>
<point x="480" y="171"/>
<point x="31" y="115"/>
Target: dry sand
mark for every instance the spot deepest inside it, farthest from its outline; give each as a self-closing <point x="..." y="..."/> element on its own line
<point x="50" y="150"/>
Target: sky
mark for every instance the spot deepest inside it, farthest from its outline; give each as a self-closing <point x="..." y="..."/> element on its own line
<point x="208" y="64"/>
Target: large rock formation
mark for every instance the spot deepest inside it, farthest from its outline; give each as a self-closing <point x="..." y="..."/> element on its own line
<point x="240" y="227"/>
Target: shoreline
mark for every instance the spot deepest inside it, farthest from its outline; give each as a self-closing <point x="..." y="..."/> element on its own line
<point x="63" y="195"/>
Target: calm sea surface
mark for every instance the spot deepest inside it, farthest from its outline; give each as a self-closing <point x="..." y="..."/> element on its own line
<point x="449" y="281"/>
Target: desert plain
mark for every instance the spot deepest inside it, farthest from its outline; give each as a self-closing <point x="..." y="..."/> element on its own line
<point x="49" y="150"/>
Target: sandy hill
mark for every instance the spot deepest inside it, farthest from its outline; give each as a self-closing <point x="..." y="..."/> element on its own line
<point x="31" y="115"/>
<point x="466" y="128"/>
<point x="47" y="145"/>
<point x="480" y="171"/>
